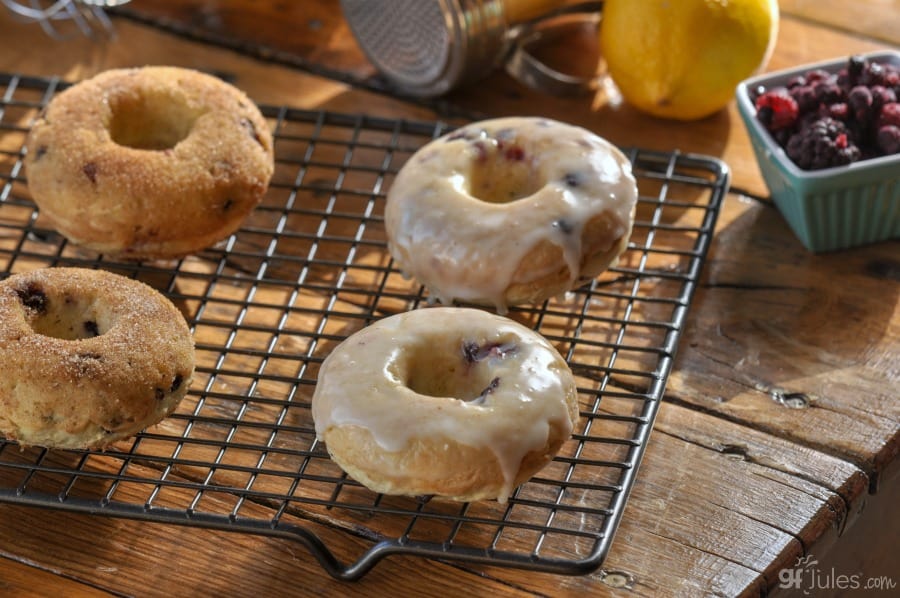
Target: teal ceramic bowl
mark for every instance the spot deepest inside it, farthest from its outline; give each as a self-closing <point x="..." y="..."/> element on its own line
<point x="830" y="209"/>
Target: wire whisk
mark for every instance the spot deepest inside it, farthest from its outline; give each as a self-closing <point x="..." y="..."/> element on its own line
<point x="88" y="16"/>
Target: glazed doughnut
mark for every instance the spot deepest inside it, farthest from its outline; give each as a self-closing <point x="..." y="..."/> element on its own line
<point x="510" y="210"/>
<point x="152" y="162"/>
<point x="444" y="401"/>
<point x="89" y="357"/>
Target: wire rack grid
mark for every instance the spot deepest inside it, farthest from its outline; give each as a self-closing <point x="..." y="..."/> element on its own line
<point x="308" y="268"/>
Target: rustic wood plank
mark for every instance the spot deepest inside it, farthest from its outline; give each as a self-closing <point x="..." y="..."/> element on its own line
<point x="717" y="509"/>
<point x="803" y="487"/>
<point x="763" y="331"/>
<point x="867" y="551"/>
<point x="878" y="19"/>
<point x="127" y="557"/>
<point x="24" y="580"/>
<point x="766" y="502"/>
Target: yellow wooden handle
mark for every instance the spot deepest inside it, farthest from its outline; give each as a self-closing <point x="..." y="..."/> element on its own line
<point x="519" y="11"/>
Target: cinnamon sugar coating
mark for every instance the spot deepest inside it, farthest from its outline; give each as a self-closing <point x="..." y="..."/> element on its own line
<point x="152" y="162"/>
<point x="89" y="357"/>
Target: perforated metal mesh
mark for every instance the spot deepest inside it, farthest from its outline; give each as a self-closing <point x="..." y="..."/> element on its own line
<point x="407" y="38"/>
<point x="308" y="268"/>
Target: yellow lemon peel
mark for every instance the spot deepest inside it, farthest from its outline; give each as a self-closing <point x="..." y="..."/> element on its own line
<point x="682" y="59"/>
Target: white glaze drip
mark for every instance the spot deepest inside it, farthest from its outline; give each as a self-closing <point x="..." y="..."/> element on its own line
<point x="366" y="381"/>
<point x="467" y="247"/>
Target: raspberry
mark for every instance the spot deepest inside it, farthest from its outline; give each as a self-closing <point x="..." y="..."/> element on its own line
<point x="822" y="144"/>
<point x="776" y="109"/>
<point x="888" y="139"/>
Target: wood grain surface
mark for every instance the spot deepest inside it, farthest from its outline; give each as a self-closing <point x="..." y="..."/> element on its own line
<point x="779" y="428"/>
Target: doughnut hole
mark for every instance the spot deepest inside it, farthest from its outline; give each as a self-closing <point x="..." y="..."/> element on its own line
<point x="64" y="317"/>
<point x="150" y="119"/>
<point x="503" y="172"/>
<point x="461" y="370"/>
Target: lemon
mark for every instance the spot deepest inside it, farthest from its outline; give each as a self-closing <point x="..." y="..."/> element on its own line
<point x="682" y="59"/>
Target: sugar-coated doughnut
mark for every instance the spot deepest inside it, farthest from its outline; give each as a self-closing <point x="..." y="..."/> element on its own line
<point x="510" y="210"/>
<point x="89" y="357"/>
<point x="152" y="162"/>
<point x="444" y="401"/>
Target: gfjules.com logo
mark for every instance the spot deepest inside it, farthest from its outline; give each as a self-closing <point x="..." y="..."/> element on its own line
<point x="808" y="578"/>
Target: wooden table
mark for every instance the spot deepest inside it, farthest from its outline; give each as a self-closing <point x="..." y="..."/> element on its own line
<point x="735" y="485"/>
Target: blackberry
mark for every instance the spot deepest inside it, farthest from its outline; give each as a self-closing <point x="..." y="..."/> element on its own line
<point x="822" y="144"/>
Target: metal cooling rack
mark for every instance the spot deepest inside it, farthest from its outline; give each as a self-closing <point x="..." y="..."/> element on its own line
<point x="310" y="267"/>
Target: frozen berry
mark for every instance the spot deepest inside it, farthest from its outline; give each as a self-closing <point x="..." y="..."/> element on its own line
<point x="827" y="92"/>
<point x="873" y="75"/>
<point x="756" y="92"/>
<point x="776" y="109"/>
<point x="888" y="139"/>
<point x="826" y="119"/>
<point x="817" y="75"/>
<point x="856" y="66"/>
<point x="890" y="115"/>
<point x="838" y="111"/>
<point x="892" y="78"/>
<point x="881" y="95"/>
<point x="860" y="100"/>
<point x="797" y="81"/>
<point x="805" y="96"/>
<point x="822" y="144"/>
